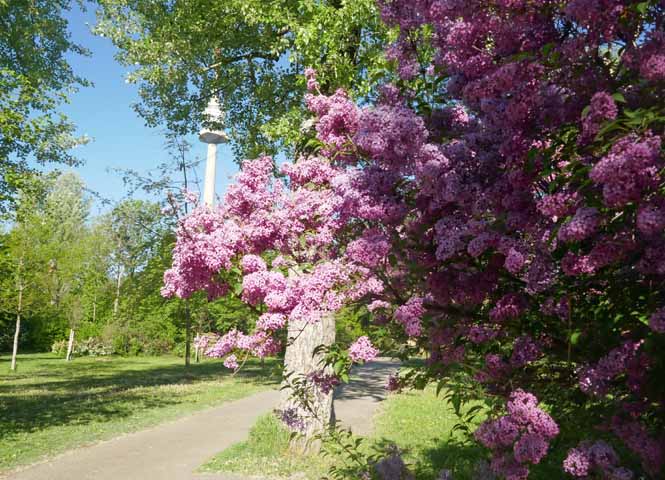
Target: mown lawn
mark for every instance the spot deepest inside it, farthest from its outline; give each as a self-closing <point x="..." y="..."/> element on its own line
<point x="48" y="405"/>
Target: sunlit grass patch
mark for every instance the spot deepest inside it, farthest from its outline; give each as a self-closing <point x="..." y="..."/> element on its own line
<point x="266" y="452"/>
<point x="49" y="405"/>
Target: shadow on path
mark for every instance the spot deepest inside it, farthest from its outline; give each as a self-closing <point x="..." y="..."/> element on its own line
<point x="356" y="402"/>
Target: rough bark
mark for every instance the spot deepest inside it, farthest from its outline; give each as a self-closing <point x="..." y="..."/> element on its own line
<point x="300" y="360"/>
<point x="70" y="345"/>
<point x="17" y="332"/>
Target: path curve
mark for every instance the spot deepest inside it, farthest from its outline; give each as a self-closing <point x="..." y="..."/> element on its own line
<point x="173" y="451"/>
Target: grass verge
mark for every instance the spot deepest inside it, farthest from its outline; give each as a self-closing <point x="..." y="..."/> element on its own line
<point x="420" y="423"/>
<point x="48" y="405"/>
<point x="266" y="453"/>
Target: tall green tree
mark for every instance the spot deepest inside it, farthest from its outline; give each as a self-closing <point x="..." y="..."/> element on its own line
<point x="35" y="79"/>
<point x="66" y="213"/>
<point x="135" y="228"/>
<point x="22" y="259"/>
<point x="251" y="53"/>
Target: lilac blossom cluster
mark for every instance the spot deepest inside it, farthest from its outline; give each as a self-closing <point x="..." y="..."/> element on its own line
<point x="595" y="380"/>
<point x="519" y="438"/>
<point x="362" y="350"/>
<point x="587" y="458"/>
<point x="410" y="316"/>
<point x="324" y="382"/>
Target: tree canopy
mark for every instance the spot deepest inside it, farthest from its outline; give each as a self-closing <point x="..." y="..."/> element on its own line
<point x="35" y="79"/>
<point x="251" y="53"/>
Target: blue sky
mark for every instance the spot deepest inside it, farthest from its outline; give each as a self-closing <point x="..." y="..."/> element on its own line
<point x="104" y="112"/>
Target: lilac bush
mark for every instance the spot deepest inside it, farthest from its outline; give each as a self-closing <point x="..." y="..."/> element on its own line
<point x="500" y="206"/>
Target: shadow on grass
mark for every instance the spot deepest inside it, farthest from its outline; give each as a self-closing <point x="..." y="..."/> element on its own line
<point x="427" y="462"/>
<point x="56" y="393"/>
<point x="461" y="459"/>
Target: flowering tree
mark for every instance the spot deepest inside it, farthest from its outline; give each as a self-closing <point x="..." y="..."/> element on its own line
<point x="502" y="207"/>
<point x="223" y="251"/>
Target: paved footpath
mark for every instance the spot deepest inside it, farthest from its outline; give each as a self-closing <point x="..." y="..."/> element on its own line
<point x="173" y="451"/>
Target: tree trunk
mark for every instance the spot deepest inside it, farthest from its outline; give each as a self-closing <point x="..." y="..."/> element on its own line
<point x="188" y="333"/>
<point x="299" y="360"/>
<point x="197" y="357"/>
<point x="116" y="301"/>
<point x="17" y="332"/>
<point x="70" y="345"/>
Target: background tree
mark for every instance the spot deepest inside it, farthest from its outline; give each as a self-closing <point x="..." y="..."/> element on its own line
<point x="134" y="227"/>
<point x="21" y="259"/>
<point x="35" y="78"/>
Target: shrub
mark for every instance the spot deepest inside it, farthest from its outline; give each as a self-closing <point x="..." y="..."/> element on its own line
<point x="92" y="346"/>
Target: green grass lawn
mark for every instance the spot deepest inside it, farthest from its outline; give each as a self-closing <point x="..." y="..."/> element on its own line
<point x="48" y="405"/>
<point x="419" y="423"/>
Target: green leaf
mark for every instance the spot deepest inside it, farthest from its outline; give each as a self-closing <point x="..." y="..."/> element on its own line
<point x="575" y="337"/>
<point x="618" y="97"/>
<point x="642" y="7"/>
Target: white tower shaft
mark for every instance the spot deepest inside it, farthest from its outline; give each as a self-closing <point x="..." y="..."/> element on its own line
<point x="212" y="137"/>
<point x="210" y="175"/>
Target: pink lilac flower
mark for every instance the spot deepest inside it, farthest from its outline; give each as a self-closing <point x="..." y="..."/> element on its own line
<point x="525" y="350"/>
<point x="514" y="261"/>
<point x="312" y="83"/>
<point x="509" y="306"/>
<point x="309" y="170"/>
<point x="519" y="438"/>
<point x="499" y="433"/>
<point x="651" y="218"/>
<point x="578" y="462"/>
<point x="481" y="334"/>
<point x="657" y="321"/>
<point x="271" y="321"/>
<point x="393" y="383"/>
<point x="636" y="437"/>
<point x="191" y="197"/>
<point x="231" y="362"/>
<point x="292" y="418"/>
<point x="224" y="345"/>
<point x="594" y="380"/>
<point x="598" y="457"/>
<point x="378" y="305"/>
<point x="370" y="250"/>
<point x="252" y="264"/>
<point x="558" y="205"/>
<point x="581" y="226"/>
<point x="325" y="382"/>
<point x="495" y="366"/>
<point x="602" y="108"/>
<point x="362" y="350"/>
<point x="649" y="59"/>
<point x="630" y="168"/>
<point x="410" y="315"/>
<point x="530" y="448"/>
<point x="201" y="342"/>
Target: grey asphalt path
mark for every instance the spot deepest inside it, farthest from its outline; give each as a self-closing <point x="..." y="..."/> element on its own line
<point x="173" y="451"/>
<point x="356" y="402"/>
